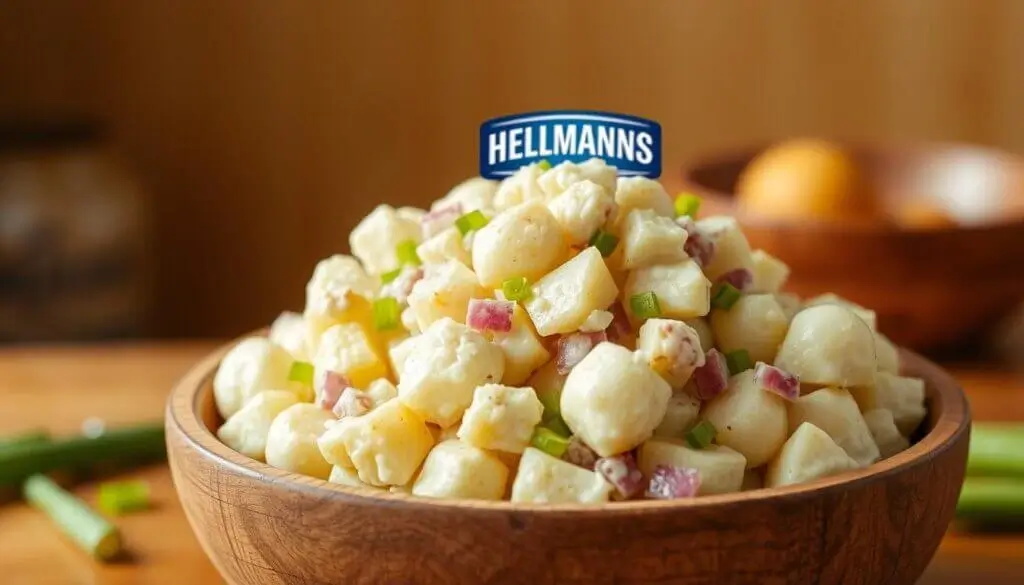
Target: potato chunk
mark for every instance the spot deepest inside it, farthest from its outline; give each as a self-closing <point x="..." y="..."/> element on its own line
<point x="808" y="454"/>
<point x="254" y="365"/>
<point x="519" y="188"/>
<point x="828" y="345"/>
<point x="867" y="315"/>
<point x="731" y="248"/>
<point x="523" y="241"/>
<point x="756" y="323"/>
<point x="683" y="291"/>
<point x="770" y="273"/>
<point x="883" y="429"/>
<point x="349" y="477"/>
<point x="641" y="193"/>
<point x="903" y="397"/>
<point x="346" y="349"/>
<point x="472" y="194"/>
<point x="581" y="210"/>
<point x="748" y="419"/>
<point x="613" y="400"/>
<point x="672" y="349"/>
<point x="888" y="355"/>
<point x="649" y="239"/>
<point x="835" y="411"/>
<point x="375" y="240"/>
<point x="703" y="329"/>
<point x="246" y="431"/>
<point x="565" y="175"/>
<point x="542" y="478"/>
<point x="288" y="331"/>
<point x="564" y="298"/>
<point x="292" y="440"/>
<point x="681" y="414"/>
<point x="721" y="468"/>
<point x="454" y="469"/>
<point x="501" y="418"/>
<point x="444" y="291"/>
<point x="449" y="362"/>
<point x="444" y="246"/>
<point x="523" y="350"/>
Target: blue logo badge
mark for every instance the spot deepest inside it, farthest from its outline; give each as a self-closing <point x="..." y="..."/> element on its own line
<point x="631" y="144"/>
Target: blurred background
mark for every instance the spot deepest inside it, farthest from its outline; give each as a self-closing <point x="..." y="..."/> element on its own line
<point x="174" y="168"/>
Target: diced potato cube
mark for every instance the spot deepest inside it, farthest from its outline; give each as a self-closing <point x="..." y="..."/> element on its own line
<point x="444" y="291"/>
<point x="523" y="350"/>
<point x="346" y="349"/>
<point x="581" y="210"/>
<point x="454" y="469"/>
<point x="903" y="397"/>
<point x="790" y="303"/>
<point x="471" y="194"/>
<point x="756" y="323"/>
<point x="338" y="292"/>
<point x="292" y="440"/>
<point x="731" y="248"/>
<point x="501" y="418"/>
<point x="254" y="365"/>
<point x="770" y="273"/>
<point x="385" y="446"/>
<point x="683" y="291"/>
<point x="380" y="391"/>
<point x="703" y="329"/>
<point x="288" y="331"/>
<point x="672" y="349"/>
<point x="748" y="419"/>
<point x="349" y="477"/>
<point x="399" y="351"/>
<point x="641" y="193"/>
<point x="565" y="175"/>
<point x="613" y="400"/>
<point x="443" y="247"/>
<point x="375" y="240"/>
<point x="681" y="415"/>
<point x="883" y="429"/>
<point x="519" y="188"/>
<point x="720" y="468"/>
<point x="564" y="298"/>
<point x="450" y="361"/>
<point x="411" y="214"/>
<point x="808" y="454"/>
<point x="246" y="431"/>
<point x="525" y="240"/>
<point x="867" y="315"/>
<point x="548" y="384"/>
<point x="649" y="239"/>
<point x="597" y="321"/>
<point x="835" y="411"/>
<point x="828" y="345"/>
<point x="543" y="479"/>
<point x="888" y="356"/>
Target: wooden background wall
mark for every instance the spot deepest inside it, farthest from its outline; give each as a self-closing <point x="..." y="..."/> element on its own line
<point x="266" y="129"/>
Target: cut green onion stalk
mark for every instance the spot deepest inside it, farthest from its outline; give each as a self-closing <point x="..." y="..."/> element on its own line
<point x="386" y="313"/>
<point x="549" y="442"/>
<point x="551" y="401"/>
<point x="687" y="204"/>
<point x="90" y="531"/>
<point x="516" y="289"/>
<point x="724" y="296"/>
<point x="556" y="423"/>
<point x="390" y="276"/>
<point x="123" y="497"/>
<point x="738" y="361"/>
<point x="544" y="164"/>
<point x="996" y="450"/>
<point x="471" y="221"/>
<point x="991" y="502"/>
<point x="301" y="372"/>
<point x="700" y="436"/>
<point x="406" y="253"/>
<point x="604" y="242"/>
<point x="645" y="305"/>
<point x="26" y="438"/>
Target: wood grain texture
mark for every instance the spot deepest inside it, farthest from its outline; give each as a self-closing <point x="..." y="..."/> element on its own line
<point x="264" y="526"/>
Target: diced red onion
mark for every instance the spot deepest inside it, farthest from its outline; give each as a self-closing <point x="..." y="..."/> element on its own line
<point x="579" y="454"/>
<point x="699" y="245"/>
<point x="573" y="348"/>
<point x="670" y="482"/>
<point x="741" y="278"/>
<point x="401" y="286"/>
<point x="439" y="220"/>
<point x="777" y="380"/>
<point x="620" y="331"/>
<point x="329" y="386"/>
<point x="490" y="315"/>
<point x="713" y="377"/>
<point x="622" y="472"/>
<point x="352" y="402"/>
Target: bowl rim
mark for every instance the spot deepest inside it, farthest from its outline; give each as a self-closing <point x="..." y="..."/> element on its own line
<point x="183" y="405"/>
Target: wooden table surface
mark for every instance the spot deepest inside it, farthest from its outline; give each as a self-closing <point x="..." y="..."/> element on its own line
<point x="59" y="387"/>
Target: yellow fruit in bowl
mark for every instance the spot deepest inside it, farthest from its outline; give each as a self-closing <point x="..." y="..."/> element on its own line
<point x="806" y="179"/>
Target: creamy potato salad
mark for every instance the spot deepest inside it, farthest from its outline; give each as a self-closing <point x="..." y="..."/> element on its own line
<point x="565" y="335"/>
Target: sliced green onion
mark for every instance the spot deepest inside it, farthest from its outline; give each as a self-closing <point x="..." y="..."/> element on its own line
<point x="471" y="221"/>
<point x="26" y="438"/>
<point x="386" y="313"/>
<point x="118" y="498"/>
<point x="390" y="276"/>
<point x="738" y="361"/>
<point x="301" y="372"/>
<point x="687" y="204"/>
<point x="724" y="296"/>
<point x="544" y="164"/>
<point x="551" y="401"/>
<point x="556" y="423"/>
<point x="406" y="253"/>
<point x="549" y="442"/>
<point x="93" y="533"/>
<point x="645" y="305"/>
<point x="604" y="242"/>
<point x="700" y="436"/>
<point x="516" y="289"/>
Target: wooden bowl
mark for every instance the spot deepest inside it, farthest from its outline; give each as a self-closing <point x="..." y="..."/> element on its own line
<point x="263" y="526"/>
<point x="932" y="288"/>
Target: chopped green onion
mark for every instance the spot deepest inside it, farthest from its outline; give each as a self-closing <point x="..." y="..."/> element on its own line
<point x="738" y="361"/>
<point x="556" y="423"/>
<point x="724" y="296"/>
<point x="73" y="517"/>
<point x="645" y="305"/>
<point x="386" y="313"/>
<point x="390" y="276"/>
<point x="700" y="436"/>
<point x="406" y="253"/>
<point x="551" y="401"/>
<point x="604" y="242"/>
<point x="301" y="372"/>
<point x="26" y="438"/>
<point x="544" y="164"/>
<point x="118" y="498"/>
<point x="549" y="442"/>
<point x="687" y="204"/>
<point x="471" y="221"/>
<point x="516" y="289"/>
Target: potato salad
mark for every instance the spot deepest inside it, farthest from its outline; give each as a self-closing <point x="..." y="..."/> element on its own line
<point x="564" y="335"/>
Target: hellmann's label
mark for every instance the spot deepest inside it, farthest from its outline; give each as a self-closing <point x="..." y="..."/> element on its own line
<point x="629" y="143"/>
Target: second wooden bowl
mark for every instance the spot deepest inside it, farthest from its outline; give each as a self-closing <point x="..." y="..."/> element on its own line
<point x="264" y="526"/>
